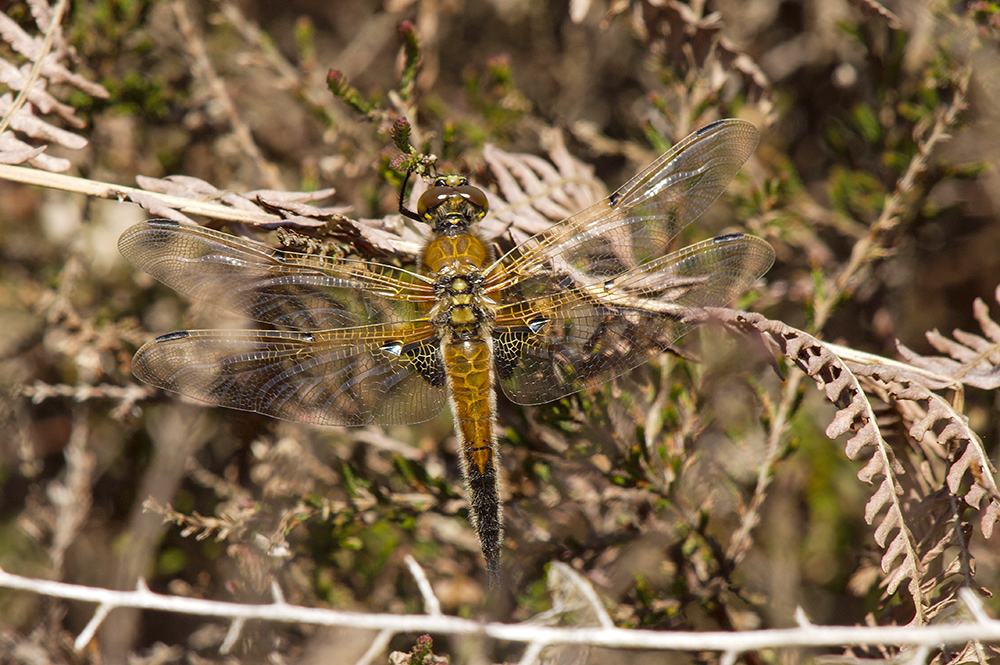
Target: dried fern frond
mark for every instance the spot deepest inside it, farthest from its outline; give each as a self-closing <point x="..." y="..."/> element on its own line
<point x="24" y="133"/>
<point x="283" y="210"/>
<point x="289" y="206"/>
<point x="974" y="360"/>
<point x="533" y="192"/>
<point x="918" y="523"/>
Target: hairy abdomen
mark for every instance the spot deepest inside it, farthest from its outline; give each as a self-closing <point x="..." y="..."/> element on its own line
<point x="469" y="370"/>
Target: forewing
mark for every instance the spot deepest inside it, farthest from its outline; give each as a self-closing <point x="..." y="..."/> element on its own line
<point x="552" y="340"/>
<point x="272" y="286"/>
<point x="355" y="376"/>
<point x="634" y="225"/>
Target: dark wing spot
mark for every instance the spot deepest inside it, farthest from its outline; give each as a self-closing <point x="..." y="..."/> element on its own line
<point x="614" y="199"/>
<point x="729" y="237"/>
<point x="169" y="337"/>
<point x="163" y="223"/>
<point x="709" y="127"/>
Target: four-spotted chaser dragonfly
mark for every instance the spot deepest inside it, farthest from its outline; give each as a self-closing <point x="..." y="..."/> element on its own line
<point x="358" y="342"/>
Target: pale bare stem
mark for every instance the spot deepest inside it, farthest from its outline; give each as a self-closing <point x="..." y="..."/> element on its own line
<point x="103" y="190"/>
<point x="36" y="67"/>
<point x="572" y="592"/>
<point x="87" y="634"/>
<point x="222" y="487"/>
<point x="531" y="653"/>
<point x="377" y="647"/>
<point x="866" y="249"/>
<point x="653" y="428"/>
<point x="742" y="539"/>
<point x="431" y="604"/>
<point x="204" y="68"/>
<point x="276" y="593"/>
<point x="233" y="634"/>
<point x="931" y="636"/>
<point x="252" y="35"/>
<point x="28" y="461"/>
<point x="729" y="658"/>
<point x="974" y="604"/>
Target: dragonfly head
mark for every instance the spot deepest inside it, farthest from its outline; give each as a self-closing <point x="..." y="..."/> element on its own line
<point x="452" y="204"/>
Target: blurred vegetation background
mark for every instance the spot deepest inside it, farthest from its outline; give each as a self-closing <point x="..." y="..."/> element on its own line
<point x="643" y="485"/>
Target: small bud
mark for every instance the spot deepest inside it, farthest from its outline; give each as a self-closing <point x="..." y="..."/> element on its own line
<point x="400" y="133"/>
<point x="338" y="85"/>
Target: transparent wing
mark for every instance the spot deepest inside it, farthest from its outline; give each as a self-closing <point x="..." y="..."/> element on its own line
<point x="355" y="376"/>
<point x="272" y="286"/>
<point x="634" y="225"/>
<point x="551" y="340"/>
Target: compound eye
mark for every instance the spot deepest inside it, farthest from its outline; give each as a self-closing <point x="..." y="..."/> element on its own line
<point x="475" y="196"/>
<point x="432" y="198"/>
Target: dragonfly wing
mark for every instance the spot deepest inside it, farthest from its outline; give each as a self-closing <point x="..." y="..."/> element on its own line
<point x="354" y="376"/>
<point x="552" y="340"/>
<point x="635" y="224"/>
<point x="272" y="286"/>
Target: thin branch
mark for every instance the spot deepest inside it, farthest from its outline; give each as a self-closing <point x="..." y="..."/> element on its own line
<point x="531" y="654"/>
<point x="306" y="83"/>
<point x="931" y="636"/>
<point x="866" y="248"/>
<point x="87" y="634"/>
<point x="235" y="628"/>
<point x="974" y="604"/>
<point x="378" y="645"/>
<point x="431" y="604"/>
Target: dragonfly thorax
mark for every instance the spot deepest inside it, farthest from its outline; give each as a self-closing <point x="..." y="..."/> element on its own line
<point x="461" y="307"/>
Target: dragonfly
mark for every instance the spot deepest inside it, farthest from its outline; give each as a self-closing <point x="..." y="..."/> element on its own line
<point x="355" y="342"/>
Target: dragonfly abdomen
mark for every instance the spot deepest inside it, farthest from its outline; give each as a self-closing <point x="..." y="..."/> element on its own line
<point x="469" y="371"/>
